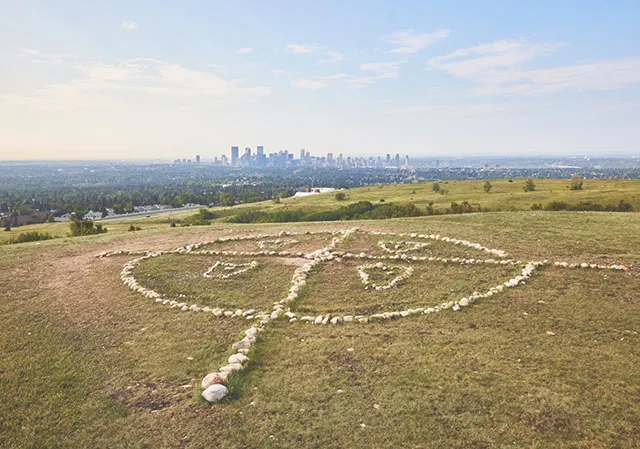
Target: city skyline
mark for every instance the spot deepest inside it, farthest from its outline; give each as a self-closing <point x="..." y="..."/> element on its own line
<point x="155" y="80"/>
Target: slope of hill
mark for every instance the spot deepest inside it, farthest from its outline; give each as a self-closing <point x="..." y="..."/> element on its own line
<point x="553" y="363"/>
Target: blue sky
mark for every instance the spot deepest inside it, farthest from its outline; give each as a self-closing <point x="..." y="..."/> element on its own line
<point x="167" y="79"/>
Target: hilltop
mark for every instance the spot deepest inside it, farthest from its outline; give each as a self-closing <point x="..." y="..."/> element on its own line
<point x="550" y="363"/>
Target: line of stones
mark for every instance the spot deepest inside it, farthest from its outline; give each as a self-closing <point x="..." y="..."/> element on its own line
<point x="214" y="384"/>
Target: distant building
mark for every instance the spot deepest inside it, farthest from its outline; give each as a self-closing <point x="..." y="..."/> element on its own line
<point x="406" y="160"/>
<point x="397" y="160"/>
<point x="235" y="151"/>
<point x="224" y="160"/>
<point x="314" y="191"/>
<point x="197" y="158"/>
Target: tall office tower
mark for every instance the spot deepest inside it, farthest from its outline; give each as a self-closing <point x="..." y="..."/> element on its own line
<point x="197" y="158"/>
<point x="388" y="158"/>
<point x="245" y="159"/>
<point x="307" y="155"/>
<point x="234" y="155"/>
<point x="260" y="159"/>
<point x="406" y="160"/>
<point x="397" y="160"/>
<point x="302" y="154"/>
<point x="224" y="160"/>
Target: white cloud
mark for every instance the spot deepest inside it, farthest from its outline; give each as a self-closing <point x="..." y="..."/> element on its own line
<point x="337" y="76"/>
<point x="309" y="84"/>
<point x="411" y="42"/>
<point x="302" y="48"/>
<point x="245" y="50"/>
<point x="500" y="68"/>
<point x="128" y="25"/>
<point x="358" y="83"/>
<point x="485" y="62"/>
<point x="219" y="69"/>
<point x="278" y="72"/>
<point x="605" y="75"/>
<point x="40" y="57"/>
<point x="333" y="57"/>
<point x="102" y="83"/>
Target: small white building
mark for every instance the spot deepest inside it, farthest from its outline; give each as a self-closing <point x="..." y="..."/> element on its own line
<point x="314" y="191"/>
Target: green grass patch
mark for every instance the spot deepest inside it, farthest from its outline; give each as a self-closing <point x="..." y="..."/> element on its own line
<point x="337" y="288"/>
<point x="182" y="274"/>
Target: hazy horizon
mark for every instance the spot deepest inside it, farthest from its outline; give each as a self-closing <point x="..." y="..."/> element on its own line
<point x="160" y="81"/>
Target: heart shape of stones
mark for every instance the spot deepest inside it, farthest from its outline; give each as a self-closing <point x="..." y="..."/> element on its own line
<point x="389" y="270"/>
<point x="232" y="269"/>
<point x="400" y="246"/>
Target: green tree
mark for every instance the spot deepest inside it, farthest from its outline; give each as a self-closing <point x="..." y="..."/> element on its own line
<point x="226" y="199"/>
<point x="487" y="186"/>
<point x="529" y="185"/>
<point x="435" y="187"/>
<point x="85" y="227"/>
<point x="341" y="196"/>
<point x="576" y="183"/>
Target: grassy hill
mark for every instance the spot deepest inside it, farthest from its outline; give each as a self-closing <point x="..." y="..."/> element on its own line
<point x="88" y="363"/>
<point x="504" y="196"/>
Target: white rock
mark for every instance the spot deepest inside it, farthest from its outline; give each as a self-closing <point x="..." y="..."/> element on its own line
<point x="212" y="379"/>
<point x="238" y="358"/>
<point x="231" y="367"/>
<point x="215" y="392"/>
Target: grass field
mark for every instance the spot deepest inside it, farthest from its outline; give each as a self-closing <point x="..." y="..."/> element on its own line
<point x="88" y="363"/>
<point x="504" y="196"/>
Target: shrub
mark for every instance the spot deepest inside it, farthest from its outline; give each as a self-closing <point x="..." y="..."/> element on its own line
<point x="463" y="208"/>
<point x="576" y="183"/>
<point x="7" y="227"/>
<point x="362" y="210"/>
<point x="205" y="214"/>
<point x="487" y="186"/>
<point x="31" y="236"/>
<point x="382" y="200"/>
<point x="529" y="185"/>
<point x="85" y="227"/>
<point x="341" y="196"/>
<point x="435" y="187"/>
<point x="173" y="224"/>
<point x="286" y="193"/>
<point x="622" y="206"/>
<point x="132" y="227"/>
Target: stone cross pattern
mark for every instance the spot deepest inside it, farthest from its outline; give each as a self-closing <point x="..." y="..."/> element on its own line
<point x="214" y="384"/>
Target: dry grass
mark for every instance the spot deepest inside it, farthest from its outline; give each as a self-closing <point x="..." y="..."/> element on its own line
<point x="88" y="363"/>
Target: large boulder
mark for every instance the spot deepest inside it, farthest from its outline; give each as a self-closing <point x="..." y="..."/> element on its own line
<point x="215" y="392"/>
<point x="213" y="379"/>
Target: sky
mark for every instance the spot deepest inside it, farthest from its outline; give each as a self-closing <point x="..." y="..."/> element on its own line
<point x="158" y="79"/>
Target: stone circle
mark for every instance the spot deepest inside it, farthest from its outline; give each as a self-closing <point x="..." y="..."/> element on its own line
<point x="214" y="383"/>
